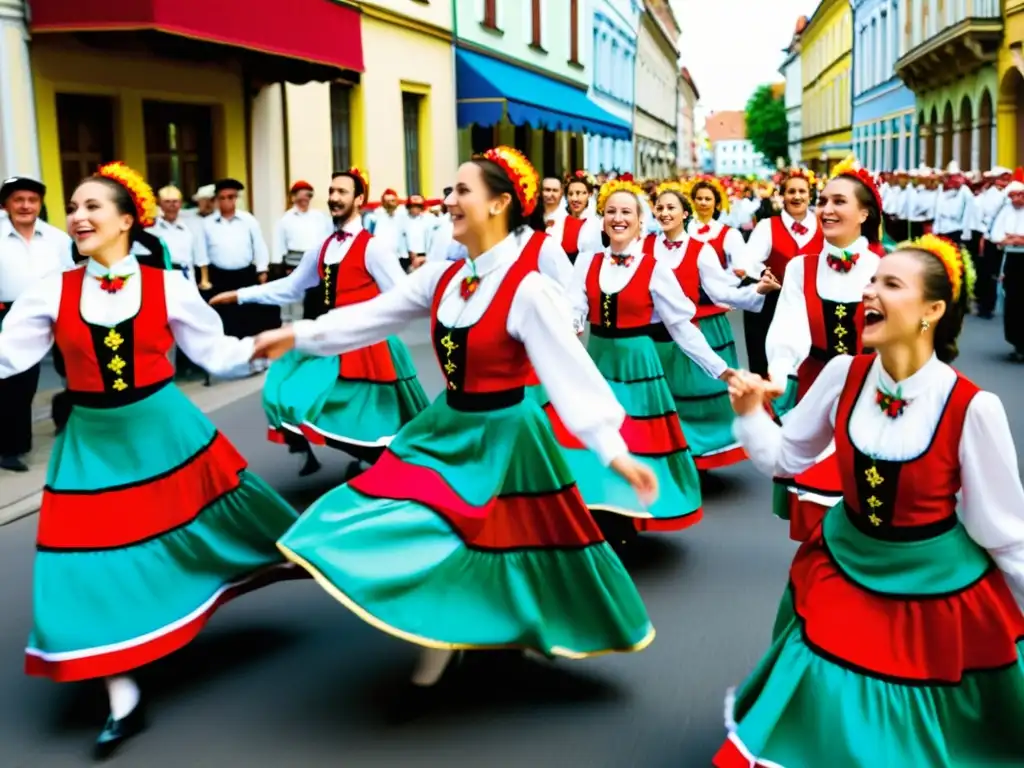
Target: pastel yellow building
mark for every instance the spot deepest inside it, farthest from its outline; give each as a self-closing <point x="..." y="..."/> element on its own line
<point x="826" y="58"/>
<point x="1010" y="119"/>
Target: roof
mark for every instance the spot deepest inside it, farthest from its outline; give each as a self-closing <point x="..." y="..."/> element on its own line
<point x="727" y="125"/>
<point x="688" y="78"/>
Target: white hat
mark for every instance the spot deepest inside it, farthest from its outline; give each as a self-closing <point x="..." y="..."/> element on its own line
<point x="207" y="192"/>
<point x="998" y="171"/>
<point x="1014" y="186"/>
<point x="953" y="168"/>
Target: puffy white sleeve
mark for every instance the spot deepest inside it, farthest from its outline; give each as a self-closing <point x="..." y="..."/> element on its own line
<point x="1000" y="229"/>
<point x="27" y="332"/>
<point x="579" y="393"/>
<point x="383" y="267"/>
<point x="577" y="291"/>
<point x="806" y="431"/>
<point x="288" y="289"/>
<point x="359" y="325"/>
<point x="590" y="235"/>
<point x="734" y="247"/>
<point x="723" y="287"/>
<point x="993" y="500"/>
<point x="198" y="330"/>
<point x="788" y="341"/>
<point x="554" y="263"/>
<point x="758" y="249"/>
<point x="676" y="312"/>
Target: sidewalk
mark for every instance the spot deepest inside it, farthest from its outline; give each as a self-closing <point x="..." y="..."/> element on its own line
<point x="21" y="493"/>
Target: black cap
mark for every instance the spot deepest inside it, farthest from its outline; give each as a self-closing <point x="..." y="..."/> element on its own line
<point x="223" y="184"/>
<point x="20" y="184"/>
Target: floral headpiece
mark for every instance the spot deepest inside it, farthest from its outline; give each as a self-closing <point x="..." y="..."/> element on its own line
<point x="363" y="177"/>
<point x="520" y="172"/>
<point x="581" y="176"/>
<point x="957" y="261"/>
<point x="620" y="184"/>
<point x="140" y="192"/>
<point x="714" y="183"/>
<point x="675" y="187"/>
<point x="852" y="169"/>
<point x="800" y="173"/>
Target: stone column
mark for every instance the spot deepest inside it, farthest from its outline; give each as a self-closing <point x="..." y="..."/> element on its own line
<point x="19" y="145"/>
<point x="267" y="163"/>
<point x="976" y="145"/>
<point x="922" y="146"/>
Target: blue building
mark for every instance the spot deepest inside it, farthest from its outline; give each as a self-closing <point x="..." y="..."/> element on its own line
<point x="884" y="119"/>
<point x="616" y="24"/>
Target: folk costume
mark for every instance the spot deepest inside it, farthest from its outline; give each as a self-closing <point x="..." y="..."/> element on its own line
<point x="580" y="234"/>
<point x="466" y="530"/>
<point x="818" y="317"/>
<point x="355" y="402"/>
<point x="150" y="518"/>
<point x="899" y="638"/>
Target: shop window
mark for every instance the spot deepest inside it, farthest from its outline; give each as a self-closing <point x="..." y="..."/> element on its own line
<point x="341" y="126"/>
<point x="412" y="108"/>
<point x="85" y="129"/>
<point x="179" y="145"/>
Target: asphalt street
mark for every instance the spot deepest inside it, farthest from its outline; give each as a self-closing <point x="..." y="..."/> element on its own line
<point x="288" y="677"/>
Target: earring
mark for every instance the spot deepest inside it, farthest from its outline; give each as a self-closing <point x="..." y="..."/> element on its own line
<point x="925" y="325"/>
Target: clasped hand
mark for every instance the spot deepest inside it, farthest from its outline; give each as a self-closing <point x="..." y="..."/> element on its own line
<point x="748" y="392"/>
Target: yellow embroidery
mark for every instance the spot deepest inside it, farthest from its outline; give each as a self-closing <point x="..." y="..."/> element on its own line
<point x="120" y="386"/>
<point x="840" y="331"/>
<point x="873" y="477"/>
<point x="874" y="502"/>
<point x="841" y="348"/>
<point x="117" y="365"/>
<point x="875" y="519"/>
<point x="113" y="340"/>
<point x="327" y="286"/>
<point x="449" y="366"/>
<point x="840" y="312"/>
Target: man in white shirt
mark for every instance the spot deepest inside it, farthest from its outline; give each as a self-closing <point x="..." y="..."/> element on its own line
<point x="388" y="225"/>
<point x="416" y="232"/>
<point x="29" y="249"/>
<point x="299" y="230"/>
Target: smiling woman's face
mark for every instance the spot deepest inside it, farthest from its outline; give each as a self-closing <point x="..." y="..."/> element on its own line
<point x="840" y="213"/>
<point x="621" y="220"/>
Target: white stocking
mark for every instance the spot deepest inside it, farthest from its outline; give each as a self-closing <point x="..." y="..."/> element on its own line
<point x="430" y="666"/>
<point x="124" y="696"/>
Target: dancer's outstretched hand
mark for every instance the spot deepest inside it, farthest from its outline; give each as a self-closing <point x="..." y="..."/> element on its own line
<point x="768" y="283"/>
<point x="272" y="344"/>
<point x="747" y="393"/>
<point x="638" y="475"/>
<point x="228" y="297"/>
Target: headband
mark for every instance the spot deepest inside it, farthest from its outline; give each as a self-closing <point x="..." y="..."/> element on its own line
<point x="675" y="187"/>
<point x="853" y="170"/>
<point x="581" y="176"/>
<point x="620" y="184"/>
<point x="520" y="172"/>
<point x="140" y="192"/>
<point x="956" y="261"/>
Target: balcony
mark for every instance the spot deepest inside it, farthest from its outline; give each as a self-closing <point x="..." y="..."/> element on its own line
<point x="955" y="52"/>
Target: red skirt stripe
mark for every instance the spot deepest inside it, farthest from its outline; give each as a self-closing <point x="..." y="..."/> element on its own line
<point x="730" y="756"/>
<point x="126" y="659"/>
<point x="659" y="436"/>
<point x="108" y="519"/>
<point x="556" y="520"/>
<point x="276" y="436"/>
<point x="662" y="525"/>
<point x="372" y="363"/>
<point x="721" y="459"/>
<point x="804" y="517"/>
<point x="931" y="640"/>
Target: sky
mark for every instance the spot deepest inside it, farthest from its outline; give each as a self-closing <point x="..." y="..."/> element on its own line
<point x="733" y="46"/>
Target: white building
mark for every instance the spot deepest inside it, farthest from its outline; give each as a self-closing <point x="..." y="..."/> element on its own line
<point x="736" y="157"/>
<point x="657" y="91"/>
<point x="686" y="141"/>
<point x="792" y="71"/>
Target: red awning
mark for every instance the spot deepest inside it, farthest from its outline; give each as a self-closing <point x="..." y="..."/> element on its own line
<point x="317" y="31"/>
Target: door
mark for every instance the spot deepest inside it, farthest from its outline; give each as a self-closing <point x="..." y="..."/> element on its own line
<point x="85" y="130"/>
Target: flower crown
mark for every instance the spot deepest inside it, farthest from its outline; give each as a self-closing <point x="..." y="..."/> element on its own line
<point x="714" y="183"/>
<point x="800" y="173"/>
<point x="140" y="192"/>
<point x="520" y="172"/>
<point x="852" y="169"/>
<point x="957" y="261"/>
<point x="620" y="184"/>
<point x="582" y="176"/>
<point x="674" y="187"/>
<point x="363" y="177"/>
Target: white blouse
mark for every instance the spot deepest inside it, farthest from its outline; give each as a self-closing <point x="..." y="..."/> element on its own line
<point x="759" y="247"/>
<point x="552" y="260"/>
<point x="722" y="286"/>
<point x="992" y="500"/>
<point x="381" y="263"/>
<point x="539" y="318"/>
<point x="733" y="244"/>
<point x="671" y="305"/>
<point x="1009" y="221"/>
<point x="788" y="342"/>
<point x="28" y="330"/>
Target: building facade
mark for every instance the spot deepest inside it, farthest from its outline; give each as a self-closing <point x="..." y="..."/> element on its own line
<point x="19" y="148"/>
<point x="884" y="117"/>
<point x="657" y="83"/>
<point x="826" y="106"/>
<point x="686" y="133"/>
<point x="949" y="51"/>
<point x="522" y="72"/>
<point x="1010" y="110"/>
<point x="792" y="73"/>
<point x="613" y="79"/>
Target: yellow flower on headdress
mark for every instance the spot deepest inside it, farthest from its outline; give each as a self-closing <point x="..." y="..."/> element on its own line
<point x="521" y="173"/>
<point x="956" y="260"/>
<point x="802" y="173"/>
<point x="672" y="186"/>
<point x="711" y="181"/>
<point x="609" y="188"/>
<point x="141" y="193"/>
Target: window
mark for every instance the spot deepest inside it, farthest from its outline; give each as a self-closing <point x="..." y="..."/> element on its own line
<point x="85" y="130"/>
<point x="341" y="126"/>
<point x="536" y="40"/>
<point x="574" y="31"/>
<point x="490" y="14"/>
<point x="412" y="106"/>
<point x="179" y="144"/>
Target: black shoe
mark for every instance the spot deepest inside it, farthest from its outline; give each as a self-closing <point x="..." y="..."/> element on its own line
<point x="117" y="732"/>
<point x="13" y="464"/>
<point x="312" y="466"/>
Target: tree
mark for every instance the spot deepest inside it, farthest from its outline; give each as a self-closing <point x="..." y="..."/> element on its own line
<point x="767" y="127"/>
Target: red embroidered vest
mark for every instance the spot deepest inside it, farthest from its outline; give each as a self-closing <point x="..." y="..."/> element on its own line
<point x="349" y="281"/>
<point x="626" y="313"/>
<point x="688" y="275"/>
<point x="571" y="229"/>
<point x="115" y="360"/>
<point x="785" y="248"/>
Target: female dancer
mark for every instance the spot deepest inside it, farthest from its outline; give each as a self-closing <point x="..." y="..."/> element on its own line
<point x="354" y="402"/>
<point x="899" y="639"/>
<point x="578" y="232"/>
<point x="630" y="300"/>
<point x="701" y="397"/>
<point x="467" y="530"/>
<point x="150" y="520"/>
<point x="818" y="317"/>
<point x="773" y="244"/>
<point x="710" y="202"/>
